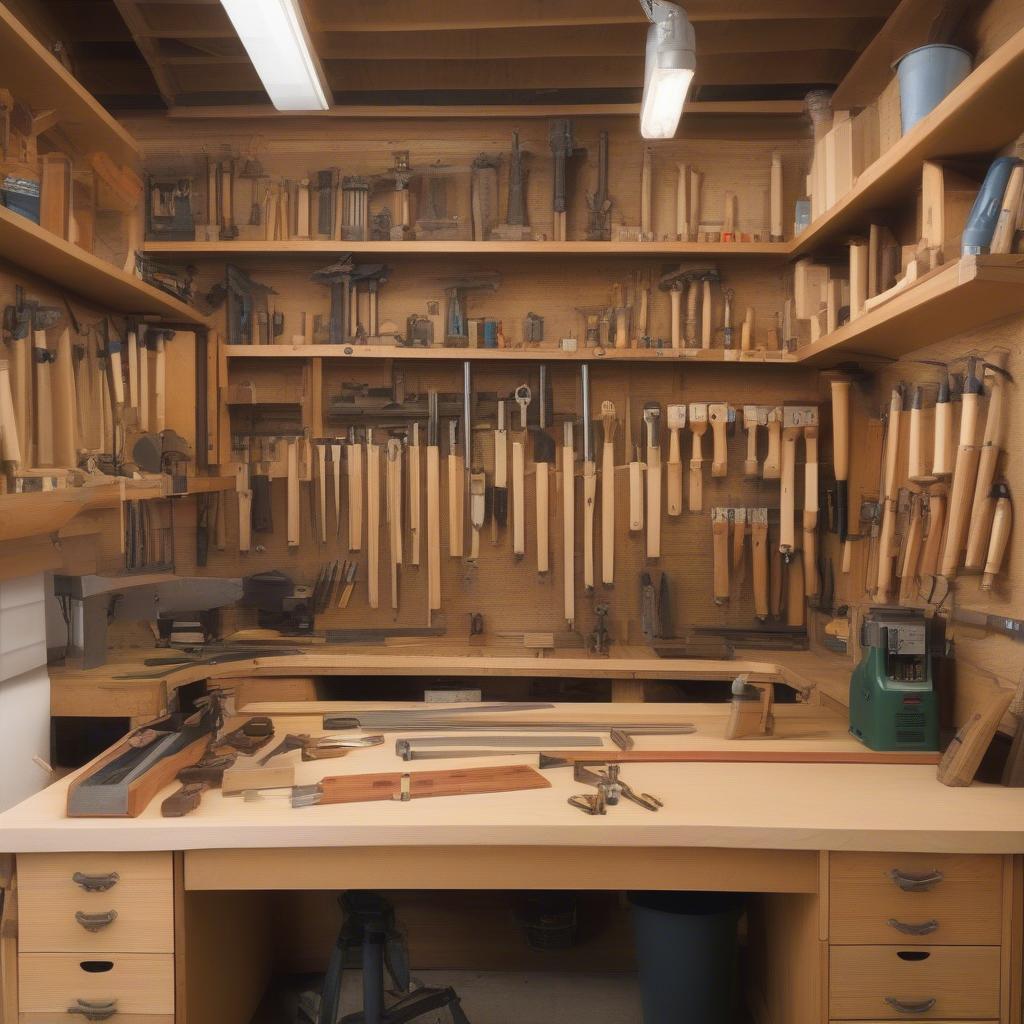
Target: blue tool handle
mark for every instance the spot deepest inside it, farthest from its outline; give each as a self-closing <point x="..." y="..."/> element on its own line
<point x="981" y="224"/>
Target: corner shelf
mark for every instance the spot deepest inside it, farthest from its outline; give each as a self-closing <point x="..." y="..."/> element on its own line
<point x="977" y="118"/>
<point x="295" y="249"/>
<point x="959" y="297"/>
<point x="38" y="251"/>
<point x="37" y="78"/>
<point x="505" y="355"/>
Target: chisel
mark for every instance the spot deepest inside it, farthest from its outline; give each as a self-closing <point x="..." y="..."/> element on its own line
<point x="336" y="473"/>
<point x="964" y="473"/>
<point x="942" y="454"/>
<point x="500" y="510"/>
<point x="887" y="537"/>
<point x="929" y="562"/>
<point x="608" y="494"/>
<point x="811" y="581"/>
<point x="840" y="391"/>
<point x="393" y="495"/>
<point x="569" y="526"/>
<point x="415" y="500"/>
<point x="754" y="416"/>
<point x="720" y="415"/>
<point x="1002" y="518"/>
<point x="675" y="416"/>
<point x="477" y="510"/>
<point x="589" y="481"/>
<point x="698" y="428"/>
<point x="759" y="557"/>
<point x="42" y="358"/>
<point x="372" y="520"/>
<point x="652" y="417"/>
<point x="915" y="447"/>
<point x="720" y="553"/>
<point x="294" y="526"/>
<point x="522" y="396"/>
<point x="543" y="456"/>
<point x="355" y="492"/>
<point x="636" y="493"/>
<point x="911" y="549"/>
<point x="433" y="507"/>
<point x="983" y="504"/>
<point x="456" y="497"/>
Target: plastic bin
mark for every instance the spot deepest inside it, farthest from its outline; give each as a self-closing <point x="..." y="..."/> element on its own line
<point x="927" y="76"/>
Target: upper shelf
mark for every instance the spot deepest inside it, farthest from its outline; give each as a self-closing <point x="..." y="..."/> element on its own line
<point x="222" y="250"/>
<point x="979" y="117"/>
<point x="962" y="296"/>
<point x="41" y="252"/>
<point x="37" y="78"/>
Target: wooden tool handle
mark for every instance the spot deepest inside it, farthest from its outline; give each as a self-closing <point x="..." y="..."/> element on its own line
<point x="373" y="524"/>
<point x="720" y="551"/>
<point x="674" y="478"/>
<point x="959" y="508"/>
<point x="696" y="477"/>
<point x="294" y="527"/>
<point x="929" y="562"/>
<point x="589" y="502"/>
<point x="220" y="522"/>
<point x="636" y="496"/>
<point x="355" y="497"/>
<point x="772" y="465"/>
<point x="915" y="465"/>
<point x="65" y="404"/>
<point x="653" y="502"/>
<point x="795" y="603"/>
<point x="44" y="410"/>
<point x="10" y="441"/>
<point x="543" y="507"/>
<point x="759" y="557"/>
<point x="720" y="450"/>
<point x="415" y="504"/>
<point x="433" y="527"/>
<point x="841" y="428"/>
<point x="518" y="499"/>
<point x="886" y="552"/>
<point x="343" y="789"/>
<point x="133" y="371"/>
<point x="705" y="316"/>
<point x="911" y="551"/>
<point x="456" y="502"/>
<point x="321" y="458"/>
<point x="569" y="537"/>
<point x="787" y="495"/>
<point x="750" y="463"/>
<point x="982" y="507"/>
<point x="942" y="455"/>
<point x="1001" y="522"/>
<point x="675" y="296"/>
<point x="501" y="458"/>
<point x="160" y="386"/>
<point x="245" y="520"/>
<point x="810" y="522"/>
<point x="691" y="312"/>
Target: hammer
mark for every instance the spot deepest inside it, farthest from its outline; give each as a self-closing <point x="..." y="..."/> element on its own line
<point x="338" y="278"/>
<point x="673" y="282"/>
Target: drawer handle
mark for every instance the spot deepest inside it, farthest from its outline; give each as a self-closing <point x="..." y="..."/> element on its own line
<point x="96" y="883"/>
<point x="95" y="922"/>
<point x="902" y="1006"/>
<point x="94" y="1010"/>
<point x="924" y="928"/>
<point x="915" y="883"/>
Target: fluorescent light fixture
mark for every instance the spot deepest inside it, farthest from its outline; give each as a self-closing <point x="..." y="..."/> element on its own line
<point x="668" y="68"/>
<point x="275" y="37"/>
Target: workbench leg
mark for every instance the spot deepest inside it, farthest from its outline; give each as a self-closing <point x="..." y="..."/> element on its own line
<point x="627" y="691"/>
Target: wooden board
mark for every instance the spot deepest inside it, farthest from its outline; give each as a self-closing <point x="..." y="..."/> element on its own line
<point x="341" y="789"/>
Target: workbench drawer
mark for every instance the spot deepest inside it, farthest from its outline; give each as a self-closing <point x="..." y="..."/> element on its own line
<point x="913" y="982"/>
<point x="898" y="898"/>
<point x="98" y="913"/>
<point x="51" y="983"/>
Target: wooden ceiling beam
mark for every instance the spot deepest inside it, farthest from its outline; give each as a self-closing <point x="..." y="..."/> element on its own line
<point x="419" y="16"/>
<point x="166" y="83"/>
<point x="594" y="41"/>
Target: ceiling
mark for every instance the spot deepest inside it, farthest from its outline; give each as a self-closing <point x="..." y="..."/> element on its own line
<point x="135" y="54"/>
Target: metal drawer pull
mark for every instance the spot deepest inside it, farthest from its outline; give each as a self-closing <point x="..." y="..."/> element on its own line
<point x="901" y="1006"/>
<point x="94" y="1010"/>
<point x="924" y="928"/>
<point x="915" y="883"/>
<point x="95" y="922"/>
<point x="96" y="883"/>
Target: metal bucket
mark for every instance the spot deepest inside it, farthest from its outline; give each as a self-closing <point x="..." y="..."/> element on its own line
<point x="927" y="76"/>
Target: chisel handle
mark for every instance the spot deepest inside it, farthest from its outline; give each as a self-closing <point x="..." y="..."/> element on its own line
<point x="144" y="388"/>
<point x="542" y="498"/>
<point x="373" y="525"/>
<point x="675" y="296"/>
<point x="771" y="468"/>
<point x="841" y="452"/>
<point x="133" y="372"/>
<point x="759" y="557"/>
<point x="636" y="496"/>
<point x="44" y="408"/>
<point x="321" y="457"/>
<point x="750" y="463"/>
<point x="569" y="537"/>
<point x="720" y="546"/>
<point x="915" y="466"/>
<point x="456" y="502"/>
<point x="982" y="507"/>
<point x="607" y="514"/>
<point x="355" y="497"/>
<point x="929" y="563"/>
<point x="886" y="552"/>
<point x="160" y="385"/>
<point x="518" y="499"/>
<point x="959" y="508"/>
<point x="433" y="527"/>
<point x="653" y="501"/>
<point x="696" y="476"/>
<point x="64" y="401"/>
<point x="10" y="442"/>
<point x="942" y="457"/>
<point x="720" y="448"/>
<point x="589" y="503"/>
<point x="294" y="526"/>
<point x="245" y="520"/>
<point x="811" y="582"/>
<point x="787" y="496"/>
<point x="674" y="476"/>
<point x="415" y="504"/>
<point x="1001" y="520"/>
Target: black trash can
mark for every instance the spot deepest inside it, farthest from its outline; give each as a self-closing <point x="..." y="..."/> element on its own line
<point x="686" y="955"/>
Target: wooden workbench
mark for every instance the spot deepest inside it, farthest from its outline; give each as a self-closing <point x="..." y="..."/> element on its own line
<point x="816" y="843"/>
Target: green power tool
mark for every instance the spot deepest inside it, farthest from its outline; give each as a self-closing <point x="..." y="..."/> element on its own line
<point x="893" y="703"/>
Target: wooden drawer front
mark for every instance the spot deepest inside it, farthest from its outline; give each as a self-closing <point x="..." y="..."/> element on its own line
<point x="866" y="905"/>
<point x="949" y="983"/>
<point x="141" y="898"/>
<point x="52" y="982"/>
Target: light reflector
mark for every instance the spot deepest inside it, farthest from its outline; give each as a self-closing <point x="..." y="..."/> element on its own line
<point x="275" y="37"/>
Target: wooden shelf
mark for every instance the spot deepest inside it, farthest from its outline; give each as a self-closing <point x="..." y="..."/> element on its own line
<point x="40" y="252"/>
<point x="977" y="118"/>
<point x="236" y="249"/>
<point x="37" y="78"/>
<point x="504" y="355"/>
<point x="962" y="296"/>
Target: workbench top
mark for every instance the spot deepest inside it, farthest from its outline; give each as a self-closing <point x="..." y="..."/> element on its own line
<point x="752" y="806"/>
